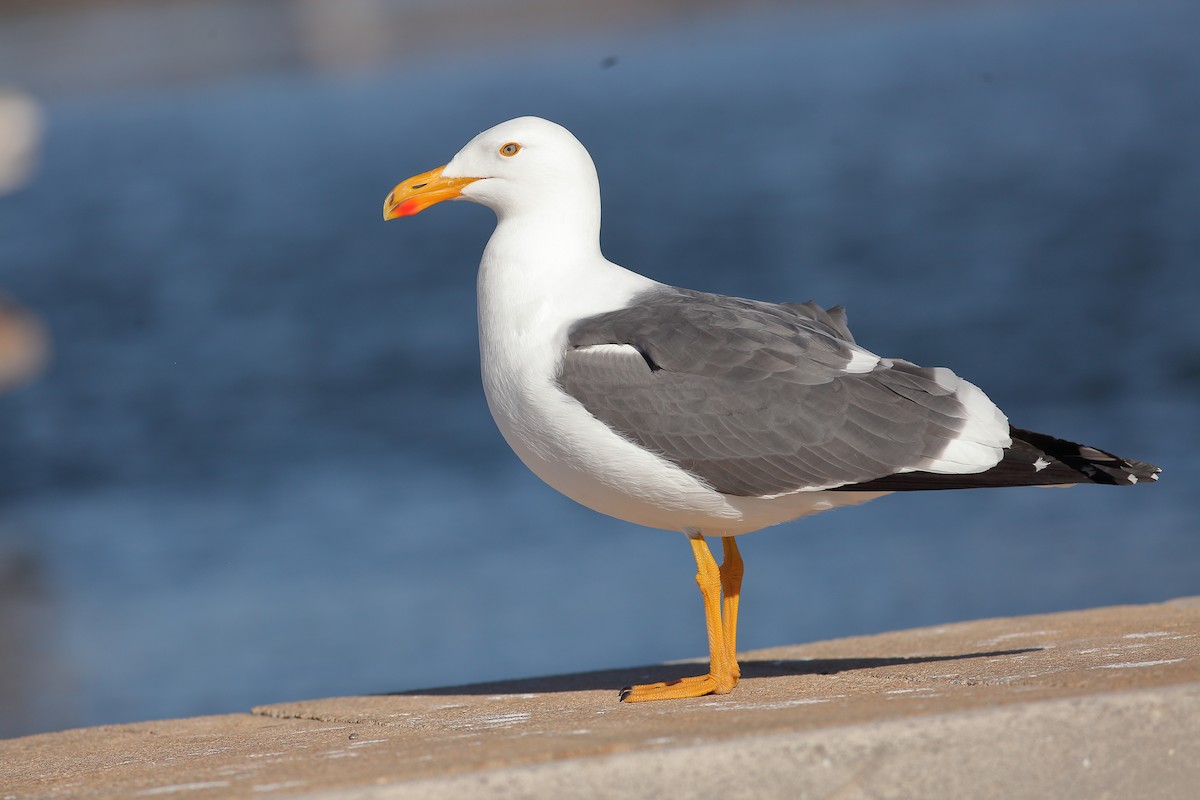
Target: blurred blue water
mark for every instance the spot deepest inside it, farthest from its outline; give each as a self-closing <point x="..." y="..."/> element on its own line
<point x="261" y="467"/>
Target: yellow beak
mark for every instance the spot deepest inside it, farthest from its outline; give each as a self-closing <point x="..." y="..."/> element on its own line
<point x="421" y="191"/>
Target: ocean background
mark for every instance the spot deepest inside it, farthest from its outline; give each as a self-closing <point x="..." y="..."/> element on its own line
<point x="260" y="466"/>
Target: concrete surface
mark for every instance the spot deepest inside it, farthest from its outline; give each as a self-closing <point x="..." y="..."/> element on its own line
<point x="1097" y="703"/>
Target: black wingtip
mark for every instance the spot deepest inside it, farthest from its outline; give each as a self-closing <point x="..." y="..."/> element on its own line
<point x="1033" y="459"/>
<point x="1098" y="466"/>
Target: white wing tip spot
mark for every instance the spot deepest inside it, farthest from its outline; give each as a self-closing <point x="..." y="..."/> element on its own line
<point x="1040" y="464"/>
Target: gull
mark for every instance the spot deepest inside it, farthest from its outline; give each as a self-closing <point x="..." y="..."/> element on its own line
<point x="695" y="412"/>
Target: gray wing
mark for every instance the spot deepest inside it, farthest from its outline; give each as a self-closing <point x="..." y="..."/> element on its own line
<point x="755" y="398"/>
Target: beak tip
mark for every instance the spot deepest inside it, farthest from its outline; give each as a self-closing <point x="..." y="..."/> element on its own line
<point x="420" y="192"/>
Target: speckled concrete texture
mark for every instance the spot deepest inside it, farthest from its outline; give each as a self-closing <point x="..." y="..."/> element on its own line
<point x="1097" y="703"/>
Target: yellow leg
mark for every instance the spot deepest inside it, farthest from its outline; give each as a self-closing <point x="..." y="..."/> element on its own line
<point x="731" y="588"/>
<point x="722" y="667"/>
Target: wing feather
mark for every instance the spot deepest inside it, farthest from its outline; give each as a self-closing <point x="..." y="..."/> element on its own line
<point x="760" y="399"/>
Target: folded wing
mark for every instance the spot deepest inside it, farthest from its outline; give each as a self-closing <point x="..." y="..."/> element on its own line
<point x="761" y="399"/>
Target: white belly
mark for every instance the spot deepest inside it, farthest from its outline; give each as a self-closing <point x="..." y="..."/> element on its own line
<point x="581" y="457"/>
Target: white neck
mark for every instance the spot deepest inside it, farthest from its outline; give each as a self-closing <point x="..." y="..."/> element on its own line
<point x="542" y="271"/>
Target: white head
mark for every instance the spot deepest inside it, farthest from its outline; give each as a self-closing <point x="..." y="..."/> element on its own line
<point x="524" y="166"/>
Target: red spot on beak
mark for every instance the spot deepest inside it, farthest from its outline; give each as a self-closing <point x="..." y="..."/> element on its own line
<point x="408" y="208"/>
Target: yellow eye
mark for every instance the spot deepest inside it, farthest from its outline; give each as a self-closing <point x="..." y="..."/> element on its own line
<point x="510" y="149"/>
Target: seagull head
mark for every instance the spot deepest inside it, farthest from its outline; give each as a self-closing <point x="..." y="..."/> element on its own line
<point x="524" y="165"/>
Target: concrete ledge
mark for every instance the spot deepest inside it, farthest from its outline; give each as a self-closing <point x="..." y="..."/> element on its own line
<point x="1130" y="744"/>
<point x="1098" y="703"/>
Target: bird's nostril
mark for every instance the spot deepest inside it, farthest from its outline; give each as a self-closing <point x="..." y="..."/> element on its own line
<point x="419" y="185"/>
